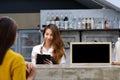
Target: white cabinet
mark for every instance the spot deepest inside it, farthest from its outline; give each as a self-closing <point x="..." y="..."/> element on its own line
<point x="25" y="42"/>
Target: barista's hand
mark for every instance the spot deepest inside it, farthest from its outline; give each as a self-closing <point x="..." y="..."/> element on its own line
<point x="46" y="61"/>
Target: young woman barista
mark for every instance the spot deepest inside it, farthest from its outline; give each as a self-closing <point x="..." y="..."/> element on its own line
<point x="52" y="45"/>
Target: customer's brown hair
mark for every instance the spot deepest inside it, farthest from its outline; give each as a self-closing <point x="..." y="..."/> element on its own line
<point x="8" y="29"/>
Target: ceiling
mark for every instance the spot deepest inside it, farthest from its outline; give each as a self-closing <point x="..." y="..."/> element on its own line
<point x="98" y="4"/>
<point x="90" y="4"/>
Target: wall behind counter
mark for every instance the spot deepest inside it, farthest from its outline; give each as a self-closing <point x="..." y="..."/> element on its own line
<point x="25" y="20"/>
<point x="26" y="12"/>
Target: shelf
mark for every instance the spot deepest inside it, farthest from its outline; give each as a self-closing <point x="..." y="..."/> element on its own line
<point x="62" y="30"/>
<point x="91" y="30"/>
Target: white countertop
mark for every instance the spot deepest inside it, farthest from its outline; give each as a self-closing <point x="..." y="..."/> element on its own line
<point x="79" y="66"/>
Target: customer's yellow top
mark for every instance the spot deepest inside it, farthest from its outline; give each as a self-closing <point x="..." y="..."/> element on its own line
<point x="13" y="67"/>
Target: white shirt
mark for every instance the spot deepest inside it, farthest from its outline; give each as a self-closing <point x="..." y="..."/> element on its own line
<point x="36" y="50"/>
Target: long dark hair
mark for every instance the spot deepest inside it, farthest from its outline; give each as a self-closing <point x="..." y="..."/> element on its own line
<point x="57" y="43"/>
<point x="8" y="29"/>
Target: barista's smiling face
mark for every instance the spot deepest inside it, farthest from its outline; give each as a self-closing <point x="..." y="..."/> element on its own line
<point x="48" y="36"/>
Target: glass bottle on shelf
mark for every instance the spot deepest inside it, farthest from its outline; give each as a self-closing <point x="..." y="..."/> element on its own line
<point x="115" y="23"/>
<point x="107" y="24"/>
<point x="88" y="23"/>
<point x="48" y="18"/>
<point x="52" y="21"/>
<point x="74" y="20"/>
<point x="102" y="23"/>
<point x="92" y="23"/>
<point x="57" y="21"/>
<point x="79" y="23"/>
<point x="83" y="23"/>
<point x="61" y="21"/>
<point x="66" y="23"/>
<point x="70" y="22"/>
<point x="98" y="23"/>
